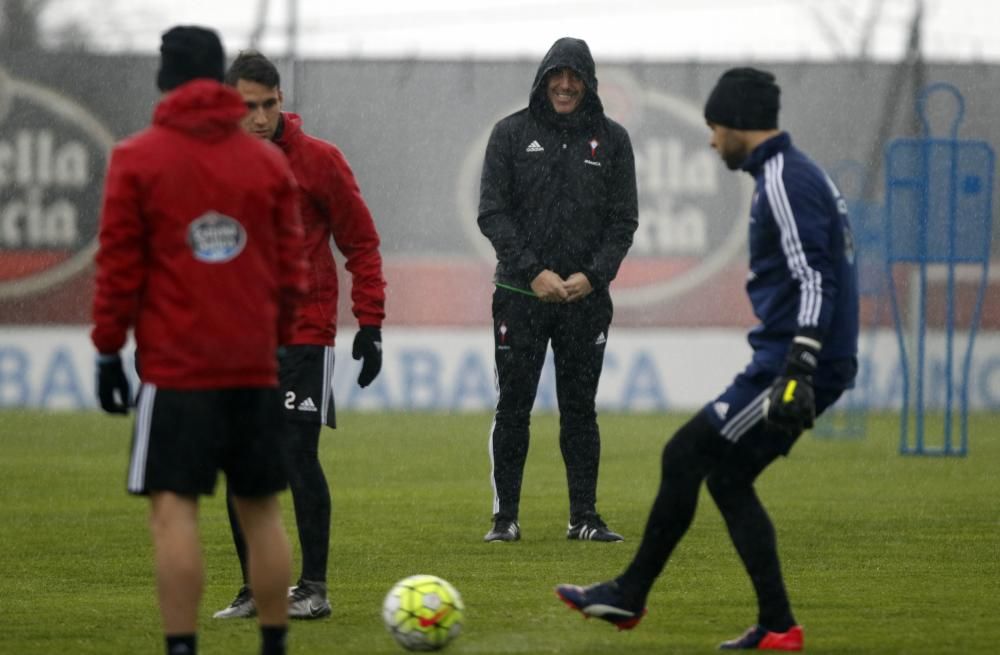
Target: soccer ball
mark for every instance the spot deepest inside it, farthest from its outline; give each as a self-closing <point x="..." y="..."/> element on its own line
<point x="423" y="612"/>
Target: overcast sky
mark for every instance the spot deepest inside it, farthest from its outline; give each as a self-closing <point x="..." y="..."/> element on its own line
<point x="956" y="30"/>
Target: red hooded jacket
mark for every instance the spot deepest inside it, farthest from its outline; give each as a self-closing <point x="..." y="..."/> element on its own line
<point x="331" y="205"/>
<point x="200" y="246"/>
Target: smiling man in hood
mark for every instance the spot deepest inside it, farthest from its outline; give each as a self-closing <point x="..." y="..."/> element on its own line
<point x="558" y="202"/>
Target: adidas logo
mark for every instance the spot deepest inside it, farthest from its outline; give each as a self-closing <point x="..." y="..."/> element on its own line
<point x="601" y="340"/>
<point x="534" y="146"/>
<point x="721" y="408"/>
<point x="307" y="405"/>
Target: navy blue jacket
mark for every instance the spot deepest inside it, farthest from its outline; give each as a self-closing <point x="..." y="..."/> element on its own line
<point x="802" y="274"/>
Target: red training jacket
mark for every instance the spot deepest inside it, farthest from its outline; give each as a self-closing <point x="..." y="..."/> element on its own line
<point x="331" y="205"/>
<point x="200" y="246"/>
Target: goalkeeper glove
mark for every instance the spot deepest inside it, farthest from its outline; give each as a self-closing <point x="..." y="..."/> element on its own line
<point x="791" y="404"/>
<point x="368" y="346"/>
<point x="112" y="385"/>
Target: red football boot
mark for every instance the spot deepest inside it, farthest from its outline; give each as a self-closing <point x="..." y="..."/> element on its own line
<point x="758" y="638"/>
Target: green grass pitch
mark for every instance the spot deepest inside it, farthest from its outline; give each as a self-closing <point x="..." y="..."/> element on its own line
<point x="882" y="553"/>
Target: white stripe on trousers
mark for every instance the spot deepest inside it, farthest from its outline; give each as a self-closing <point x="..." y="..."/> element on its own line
<point x="493" y="468"/>
<point x="140" y="444"/>
<point x="489" y="446"/>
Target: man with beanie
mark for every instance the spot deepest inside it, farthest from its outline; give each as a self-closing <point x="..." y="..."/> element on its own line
<point x="558" y="203"/>
<point x="803" y="288"/>
<point x="200" y="250"/>
<point x="332" y="210"/>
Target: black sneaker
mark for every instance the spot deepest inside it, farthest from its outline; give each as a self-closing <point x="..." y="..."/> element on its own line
<point x="591" y="528"/>
<point x="242" y="607"/>
<point x="504" y="530"/>
<point x="603" y="600"/>
<point x="307" y="600"/>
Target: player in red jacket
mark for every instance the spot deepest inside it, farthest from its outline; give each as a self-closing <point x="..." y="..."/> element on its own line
<point x="332" y="207"/>
<point x="201" y="252"/>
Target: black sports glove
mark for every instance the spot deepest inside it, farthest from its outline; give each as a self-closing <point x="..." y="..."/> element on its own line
<point x="112" y="386"/>
<point x="368" y="345"/>
<point x="791" y="403"/>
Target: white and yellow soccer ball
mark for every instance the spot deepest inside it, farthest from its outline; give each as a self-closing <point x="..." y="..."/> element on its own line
<point x="423" y="612"/>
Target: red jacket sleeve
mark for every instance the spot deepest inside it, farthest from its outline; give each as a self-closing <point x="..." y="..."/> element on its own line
<point x="291" y="255"/>
<point x="121" y="259"/>
<point x="356" y="237"/>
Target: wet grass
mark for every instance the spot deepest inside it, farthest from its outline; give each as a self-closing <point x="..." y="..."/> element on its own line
<point x="882" y="553"/>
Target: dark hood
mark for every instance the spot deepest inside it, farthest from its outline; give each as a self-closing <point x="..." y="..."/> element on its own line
<point x="572" y="53"/>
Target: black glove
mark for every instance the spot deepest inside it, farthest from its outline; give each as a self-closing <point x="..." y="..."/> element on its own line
<point x="112" y="386"/>
<point x="791" y="404"/>
<point x="368" y="345"/>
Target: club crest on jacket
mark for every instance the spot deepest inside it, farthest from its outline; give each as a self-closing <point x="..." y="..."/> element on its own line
<point x="215" y="238"/>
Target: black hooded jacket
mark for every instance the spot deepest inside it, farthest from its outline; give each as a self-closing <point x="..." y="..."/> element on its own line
<point x="558" y="191"/>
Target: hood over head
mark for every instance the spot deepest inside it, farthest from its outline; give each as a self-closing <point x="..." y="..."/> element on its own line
<point x="572" y="53"/>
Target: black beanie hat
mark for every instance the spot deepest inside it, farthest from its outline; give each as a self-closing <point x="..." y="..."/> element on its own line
<point x="744" y="99"/>
<point x="187" y="53"/>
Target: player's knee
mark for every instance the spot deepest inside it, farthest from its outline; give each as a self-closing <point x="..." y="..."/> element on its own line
<point x="512" y="418"/>
<point x="579" y="423"/>
<point x="305" y="473"/>
<point x="725" y="488"/>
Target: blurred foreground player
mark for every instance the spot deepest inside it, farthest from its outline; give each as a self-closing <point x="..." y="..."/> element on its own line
<point x="201" y="252"/>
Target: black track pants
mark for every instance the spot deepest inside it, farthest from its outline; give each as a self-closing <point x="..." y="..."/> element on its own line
<point x="523" y="327"/>
<point x="697" y="453"/>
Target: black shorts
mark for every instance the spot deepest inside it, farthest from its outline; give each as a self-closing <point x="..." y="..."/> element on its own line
<point x="182" y="439"/>
<point x="738" y="412"/>
<point x="306" y="380"/>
